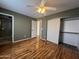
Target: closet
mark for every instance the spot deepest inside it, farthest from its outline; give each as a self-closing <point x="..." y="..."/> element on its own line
<point x="69" y="33"/>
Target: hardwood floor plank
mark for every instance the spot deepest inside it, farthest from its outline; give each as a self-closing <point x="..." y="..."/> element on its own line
<point x="27" y="50"/>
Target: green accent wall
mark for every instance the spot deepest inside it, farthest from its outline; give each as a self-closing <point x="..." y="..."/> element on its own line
<point x="22" y="24"/>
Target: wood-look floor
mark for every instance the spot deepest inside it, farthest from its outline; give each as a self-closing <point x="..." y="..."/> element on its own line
<point x="27" y="50"/>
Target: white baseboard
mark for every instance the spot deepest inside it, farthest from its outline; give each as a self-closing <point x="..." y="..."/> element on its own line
<point x="23" y="39"/>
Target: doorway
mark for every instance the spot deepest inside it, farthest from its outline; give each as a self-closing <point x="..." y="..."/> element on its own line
<point x="34" y="29"/>
<point x="6" y="29"/>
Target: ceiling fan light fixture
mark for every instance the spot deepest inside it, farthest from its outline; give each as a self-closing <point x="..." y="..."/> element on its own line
<point x="41" y="10"/>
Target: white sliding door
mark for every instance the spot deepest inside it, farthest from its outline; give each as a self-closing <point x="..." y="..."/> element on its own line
<point x="53" y="30"/>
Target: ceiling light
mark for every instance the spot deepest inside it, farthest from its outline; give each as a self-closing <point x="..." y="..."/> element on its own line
<point x="41" y="10"/>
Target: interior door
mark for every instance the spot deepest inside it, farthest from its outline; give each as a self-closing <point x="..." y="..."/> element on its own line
<point x="34" y="28"/>
<point x="53" y="30"/>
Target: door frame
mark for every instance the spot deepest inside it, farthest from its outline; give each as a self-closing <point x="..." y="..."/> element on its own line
<point x="12" y="24"/>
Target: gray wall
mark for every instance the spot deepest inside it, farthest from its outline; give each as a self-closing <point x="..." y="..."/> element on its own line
<point x="22" y="24"/>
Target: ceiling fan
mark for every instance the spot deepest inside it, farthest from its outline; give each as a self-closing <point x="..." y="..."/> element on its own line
<point x="42" y="8"/>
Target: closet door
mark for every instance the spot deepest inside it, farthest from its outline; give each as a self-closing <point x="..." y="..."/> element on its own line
<point x="53" y="30"/>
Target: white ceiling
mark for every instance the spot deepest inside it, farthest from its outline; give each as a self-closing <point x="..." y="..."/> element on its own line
<point x="20" y="6"/>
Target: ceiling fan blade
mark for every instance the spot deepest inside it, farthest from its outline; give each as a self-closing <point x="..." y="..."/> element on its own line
<point x="51" y="8"/>
<point x="43" y="2"/>
<point x="31" y="6"/>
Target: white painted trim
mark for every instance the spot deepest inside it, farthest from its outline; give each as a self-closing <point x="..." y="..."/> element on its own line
<point x="21" y="40"/>
<point x="12" y="24"/>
